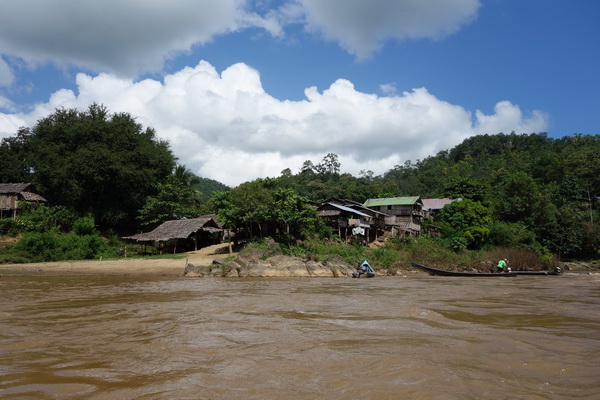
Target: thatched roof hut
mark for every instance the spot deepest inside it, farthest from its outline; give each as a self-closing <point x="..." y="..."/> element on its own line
<point x="180" y="229"/>
<point x="12" y="193"/>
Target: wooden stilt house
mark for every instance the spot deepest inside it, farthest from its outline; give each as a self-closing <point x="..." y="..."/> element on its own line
<point x="11" y="194"/>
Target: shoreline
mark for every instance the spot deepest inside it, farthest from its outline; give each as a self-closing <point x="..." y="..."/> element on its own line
<point x="124" y="266"/>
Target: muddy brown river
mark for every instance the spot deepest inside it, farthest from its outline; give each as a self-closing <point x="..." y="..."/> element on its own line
<point x="412" y="337"/>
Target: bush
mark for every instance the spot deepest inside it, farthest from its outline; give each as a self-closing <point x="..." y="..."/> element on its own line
<point x="38" y="246"/>
<point x="84" y="226"/>
<point x="46" y="218"/>
<point x="41" y="247"/>
<point x="383" y="257"/>
<point x="9" y="226"/>
<point x="519" y="259"/>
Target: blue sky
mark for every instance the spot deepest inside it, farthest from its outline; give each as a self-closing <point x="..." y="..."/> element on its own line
<point x="243" y="89"/>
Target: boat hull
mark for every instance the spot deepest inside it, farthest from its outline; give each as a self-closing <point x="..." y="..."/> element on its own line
<point x="441" y="272"/>
<point x="367" y="275"/>
<point x="537" y="272"/>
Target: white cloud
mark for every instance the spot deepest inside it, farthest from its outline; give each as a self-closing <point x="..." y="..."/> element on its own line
<point x="123" y="37"/>
<point x="361" y="26"/>
<point x="508" y="117"/>
<point x="129" y="38"/>
<point x="388" y="89"/>
<point x="226" y="127"/>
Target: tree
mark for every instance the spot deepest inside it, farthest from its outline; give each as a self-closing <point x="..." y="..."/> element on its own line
<point x="253" y="205"/>
<point x="330" y="165"/>
<point x="292" y="212"/>
<point x="466" y="219"/>
<point x="95" y="162"/>
<point x="307" y="167"/>
<point x="13" y="158"/>
<point x="227" y="212"/>
<point x="185" y="175"/>
<point x="466" y="189"/>
<point x="174" y="199"/>
<point x="516" y="197"/>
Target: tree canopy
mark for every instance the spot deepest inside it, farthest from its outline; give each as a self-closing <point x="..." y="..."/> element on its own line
<point x="523" y="189"/>
<point x="90" y="161"/>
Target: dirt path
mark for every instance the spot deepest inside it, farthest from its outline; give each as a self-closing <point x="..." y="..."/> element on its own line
<point x="124" y="266"/>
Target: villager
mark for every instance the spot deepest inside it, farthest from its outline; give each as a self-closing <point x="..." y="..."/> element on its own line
<point x="502" y="265"/>
<point x="364" y="269"/>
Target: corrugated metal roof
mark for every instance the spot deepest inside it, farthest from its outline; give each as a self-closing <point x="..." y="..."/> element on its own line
<point x="350" y="210"/>
<point x="392" y="201"/>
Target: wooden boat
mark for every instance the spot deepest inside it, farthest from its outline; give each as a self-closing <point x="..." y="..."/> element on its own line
<point x="441" y="272"/>
<point x="556" y="271"/>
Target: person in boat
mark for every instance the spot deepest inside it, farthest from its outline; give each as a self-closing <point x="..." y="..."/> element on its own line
<point x="364" y="268"/>
<point x="502" y="266"/>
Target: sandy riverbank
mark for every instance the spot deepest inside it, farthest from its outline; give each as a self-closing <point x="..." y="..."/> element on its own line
<point x="124" y="266"/>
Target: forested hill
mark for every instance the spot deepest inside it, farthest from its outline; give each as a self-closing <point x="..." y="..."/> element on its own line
<point x="570" y="165"/>
<point x="207" y="187"/>
<point x="519" y="189"/>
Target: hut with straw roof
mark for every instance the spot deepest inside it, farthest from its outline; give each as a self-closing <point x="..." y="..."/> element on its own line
<point x="186" y="234"/>
<point x="13" y="193"/>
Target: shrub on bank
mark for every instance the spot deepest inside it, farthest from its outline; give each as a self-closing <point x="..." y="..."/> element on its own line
<point x="52" y="246"/>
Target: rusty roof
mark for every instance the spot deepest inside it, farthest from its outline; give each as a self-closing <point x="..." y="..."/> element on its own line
<point x="435" y="204"/>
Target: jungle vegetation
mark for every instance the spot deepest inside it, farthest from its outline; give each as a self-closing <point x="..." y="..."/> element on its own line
<point x="108" y="176"/>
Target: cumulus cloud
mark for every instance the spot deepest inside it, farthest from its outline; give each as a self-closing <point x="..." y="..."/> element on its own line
<point x="123" y="37"/>
<point x="129" y="38"/>
<point x="224" y="126"/>
<point x="507" y="116"/>
<point x="361" y="26"/>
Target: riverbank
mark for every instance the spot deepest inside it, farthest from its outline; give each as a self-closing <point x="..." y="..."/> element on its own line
<point x="123" y="266"/>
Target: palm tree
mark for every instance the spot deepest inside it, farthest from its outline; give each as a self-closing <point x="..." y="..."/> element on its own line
<point x="189" y="178"/>
<point x="185" y="175"/>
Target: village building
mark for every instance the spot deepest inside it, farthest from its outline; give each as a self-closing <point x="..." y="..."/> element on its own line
<point x="432" y="207"/>
<point x="182" y="234"/>
<point x="404" y="214"/>
<point x="346" y="222"/>
<point x="11" y="194"/>
<point x="377" y="227"/>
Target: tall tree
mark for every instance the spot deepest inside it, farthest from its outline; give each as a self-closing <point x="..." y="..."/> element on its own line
<point x="330" y="165"/>
<point x="95" y="162"/>
<point x="13" y="158"/>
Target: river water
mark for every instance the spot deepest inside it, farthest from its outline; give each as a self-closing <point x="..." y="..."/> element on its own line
<point x="411" y="337"/>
